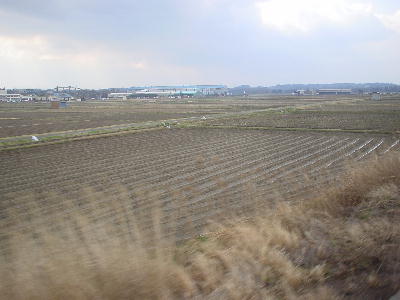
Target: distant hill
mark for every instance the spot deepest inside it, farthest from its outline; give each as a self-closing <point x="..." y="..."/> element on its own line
<point x="290" y="88"/>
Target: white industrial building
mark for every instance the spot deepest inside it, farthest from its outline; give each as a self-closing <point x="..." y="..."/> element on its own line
<point x="15" y="97"/>
<point x="172" y="91"/>
<point x="334" y="91"/>
<point x="122" y="96"/>
<point x="5" y="97"/>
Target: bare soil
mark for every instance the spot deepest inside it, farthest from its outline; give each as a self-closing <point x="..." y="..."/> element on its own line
<point x="383" y="116"/>
<point x="35" y="118"/>
<point x="199" y="172"/>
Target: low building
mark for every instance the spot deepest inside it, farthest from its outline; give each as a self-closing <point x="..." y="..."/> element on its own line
<point x="60" y="97"/>
<point x="334" y="91"/>
<point x="167" y="91"/>
<point x="212" y="90"/>
<point x="26" y="98"/>
<point x="11" y="97"/>
<point x="5" y="96"/>
<point x="41" y="98"/>
<point x="172" y="91"/>
<point x="304" y="92"/>
<point x="300" y="92"/>
<point x="122" y="96"/>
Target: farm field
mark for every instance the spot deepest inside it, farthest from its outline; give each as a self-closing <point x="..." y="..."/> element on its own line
<point x="192" y="175"/>
<point x="191" y="195"/>
<point x="363" y="115"/>
<point x="37" y="120"/>
<point x="18" y="119"/>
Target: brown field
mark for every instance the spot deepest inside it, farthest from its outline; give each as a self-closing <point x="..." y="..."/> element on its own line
<point x="342" y="243"/>
<point x="198" y="212"/>
<point x="361" y="115"/>
<point x="199" y="172"/>
<point x="18" y="119"/>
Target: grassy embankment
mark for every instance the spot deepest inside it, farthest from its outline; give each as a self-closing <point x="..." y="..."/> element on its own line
<point x="344" y="243"/>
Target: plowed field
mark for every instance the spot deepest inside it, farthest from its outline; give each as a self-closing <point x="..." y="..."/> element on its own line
<point x="362" y="115"/>
<point x="26" y="118"/>
<point x="193" y="173"/>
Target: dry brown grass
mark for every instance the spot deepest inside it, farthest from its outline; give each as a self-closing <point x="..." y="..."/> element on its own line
<point x="343" y="244"/>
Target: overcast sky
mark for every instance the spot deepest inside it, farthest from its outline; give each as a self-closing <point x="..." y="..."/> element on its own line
<point x="122" y="43"/>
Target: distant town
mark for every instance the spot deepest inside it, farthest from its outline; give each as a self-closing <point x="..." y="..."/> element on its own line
<point x="70" y="93"/>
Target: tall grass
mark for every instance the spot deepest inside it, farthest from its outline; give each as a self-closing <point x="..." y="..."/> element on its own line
<point x="344" y="243"/>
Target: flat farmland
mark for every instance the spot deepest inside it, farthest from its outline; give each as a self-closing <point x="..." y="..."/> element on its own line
<point x="30" y="118"/>
<point x="191" y="175"/>
<point x="362" y="115"/>
<point x="17" y="119"/>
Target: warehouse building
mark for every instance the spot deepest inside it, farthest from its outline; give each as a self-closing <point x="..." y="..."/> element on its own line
<point x="334" y="91"/>
<point x="6" y="97"/>
<point x="11" y="97"/>
<point x="122" y="96"/>
<point x="172" y="91"/>
<point x="191" y="90"/>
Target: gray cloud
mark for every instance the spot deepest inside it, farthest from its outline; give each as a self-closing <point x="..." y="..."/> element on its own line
<point x="121" y="43"/>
